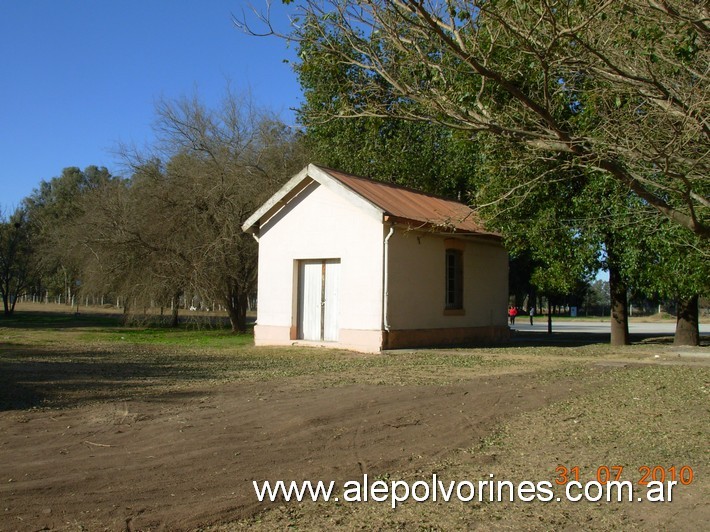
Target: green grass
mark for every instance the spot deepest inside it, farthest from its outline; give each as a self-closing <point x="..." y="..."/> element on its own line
<point x="212" y="338"/>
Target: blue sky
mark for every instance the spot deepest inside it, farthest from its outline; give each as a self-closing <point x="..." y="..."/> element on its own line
<point x="78" y="77"/>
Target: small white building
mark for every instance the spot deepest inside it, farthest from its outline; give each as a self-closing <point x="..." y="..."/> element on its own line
<point x="349" y="262"/>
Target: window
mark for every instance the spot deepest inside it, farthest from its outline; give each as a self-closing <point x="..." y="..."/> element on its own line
<point x="454" y="279"/>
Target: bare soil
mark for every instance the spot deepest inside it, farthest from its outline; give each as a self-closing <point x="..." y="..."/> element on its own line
<point x="103" y="435"/>
<point x="188" y="460"/>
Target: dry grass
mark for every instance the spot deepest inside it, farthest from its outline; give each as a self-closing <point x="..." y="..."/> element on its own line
<point x="635" y="406"/>
<point x="630" y="416"/>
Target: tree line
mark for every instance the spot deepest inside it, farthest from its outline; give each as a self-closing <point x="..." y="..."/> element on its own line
<point x="577" y="129"/>
<point x="169" y="230"/>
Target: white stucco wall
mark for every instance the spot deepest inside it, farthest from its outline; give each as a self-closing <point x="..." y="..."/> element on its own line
<point x="321" y="223"/>
<point x="416" y="284"/>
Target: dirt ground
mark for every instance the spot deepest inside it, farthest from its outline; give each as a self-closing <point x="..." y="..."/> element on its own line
<point x="184" y="457"/>
<point x="187" y="461"/>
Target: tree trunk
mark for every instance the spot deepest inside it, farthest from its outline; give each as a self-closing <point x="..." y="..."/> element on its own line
<point x="237" y="310"/>
<point x="549" y="317"/>
<point x="687" y="331"/>
<point x="5" y="292"/>
<point x="175" y="321"/>
<point x="619" y="303"/>
<point x="126" y="312"/>
<point x="237" y="322"/>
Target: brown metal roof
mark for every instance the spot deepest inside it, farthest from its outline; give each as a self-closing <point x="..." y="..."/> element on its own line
<point x="413" y="207"/>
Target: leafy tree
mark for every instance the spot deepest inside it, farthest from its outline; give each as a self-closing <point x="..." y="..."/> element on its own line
<point x="425" y="156"/>
<point x="16" y="258"/>
<point x="544" y="245"/>
<point x="646" y="254"/>
<point x="545" y="225"/>
<point x="634" y="73"/>
<point x="54" y="210"/>
<point x="670" y="263"/>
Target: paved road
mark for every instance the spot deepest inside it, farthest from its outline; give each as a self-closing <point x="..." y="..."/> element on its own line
<point x="522" y="325"/>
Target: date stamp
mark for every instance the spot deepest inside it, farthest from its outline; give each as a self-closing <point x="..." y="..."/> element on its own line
<point x="652" y="483"/>
<point x="604" y="474"/>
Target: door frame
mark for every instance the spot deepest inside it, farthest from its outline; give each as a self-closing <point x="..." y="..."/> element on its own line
<point x="328" y="291"/>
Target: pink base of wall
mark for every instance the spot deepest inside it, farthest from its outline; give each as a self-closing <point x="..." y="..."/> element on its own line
<point x="401" y="339"/>
<point x="363" y="341"/>
<point x="374" y="341"/>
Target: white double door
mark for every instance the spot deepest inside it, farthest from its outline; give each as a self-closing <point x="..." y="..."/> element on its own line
<point x="318" y="295"/>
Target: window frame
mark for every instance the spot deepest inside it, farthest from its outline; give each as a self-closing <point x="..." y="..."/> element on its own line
<point x="453" y="281"/>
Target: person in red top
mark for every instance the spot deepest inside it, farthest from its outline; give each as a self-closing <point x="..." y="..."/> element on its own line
<point x="512" y="312"/>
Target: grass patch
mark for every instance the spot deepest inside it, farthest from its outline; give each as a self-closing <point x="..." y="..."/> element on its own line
<point x="630" y="416"/>
<point x="622" y="412"/>
<point x="181" y="336"/>
<point x="57" y="359"/>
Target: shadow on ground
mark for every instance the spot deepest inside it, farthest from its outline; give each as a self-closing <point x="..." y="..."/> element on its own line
<point x="37" y="377"/>
<point x="58" y="320"/>
<point x="71" y="320"/>
<point x="579" y="339"/>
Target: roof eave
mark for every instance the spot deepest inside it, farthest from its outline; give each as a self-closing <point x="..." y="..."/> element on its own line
<point x="275" y="202"/>
<point x="420" y="225"/>
<point x="293" y="187"/>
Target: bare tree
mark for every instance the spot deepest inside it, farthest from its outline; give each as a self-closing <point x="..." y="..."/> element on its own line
<point x="123" y="242"/>
<point x="188" y="198"/>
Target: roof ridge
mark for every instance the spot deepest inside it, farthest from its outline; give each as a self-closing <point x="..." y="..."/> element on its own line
<point x="413" y="190"/>
<point x="399" y="202"/>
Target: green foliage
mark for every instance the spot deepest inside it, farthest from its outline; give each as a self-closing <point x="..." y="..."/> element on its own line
<point x="616" y="87"/>
<point x="54" y="210"/>
<point x="545" y="215"/>
<point x="420" y="155"/>
<point x="17" y="257"/>
<point x="669" y="263"/>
